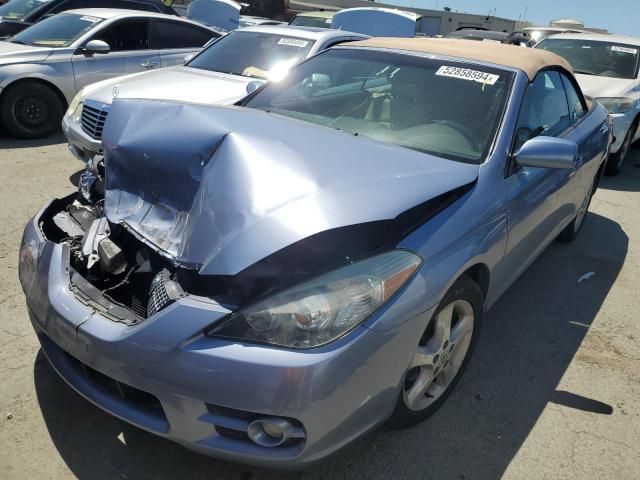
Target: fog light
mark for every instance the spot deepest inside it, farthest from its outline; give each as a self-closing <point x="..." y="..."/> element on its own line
<point x="270" y="431"/>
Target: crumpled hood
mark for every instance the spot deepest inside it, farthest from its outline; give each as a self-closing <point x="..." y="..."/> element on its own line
<point x="220" y="188"/>
<point x="179" y="83"/>
<point x="11" y="53"/>
<point x="595" y="87"/>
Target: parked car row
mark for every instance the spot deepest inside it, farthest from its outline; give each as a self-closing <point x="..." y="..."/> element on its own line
<point x="294" y="237"/>
<point x="43" y="67"/>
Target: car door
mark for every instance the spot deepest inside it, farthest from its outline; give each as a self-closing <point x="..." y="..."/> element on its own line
<point x="174" y="40"/>
<point x="589" y="135"/>
<point x="130" y="52"/>
<point x="541" y="200"/>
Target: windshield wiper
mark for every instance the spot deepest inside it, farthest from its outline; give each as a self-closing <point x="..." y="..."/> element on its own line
<point x="583" y="72"/>
<point x="19" y="42"/>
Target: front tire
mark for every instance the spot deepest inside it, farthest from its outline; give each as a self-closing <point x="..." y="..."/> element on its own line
<point x="31" y="110"/>
<point x="441" y="356"/>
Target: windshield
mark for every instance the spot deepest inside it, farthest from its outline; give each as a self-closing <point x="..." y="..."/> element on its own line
<point x="58" y="31"/>
<point x="446" y="108"/>
<point x="18" y="9"/>
<point x="592" y="57"/>
<point x="304" y="21"/>
<point x="253" y="54"/>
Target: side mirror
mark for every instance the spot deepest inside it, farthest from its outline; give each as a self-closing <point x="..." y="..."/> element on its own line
<point x="253" y="86"/>
<point x="96" y="46"/>
<point x="188" y="58"/>
<point x="548" y="152"/>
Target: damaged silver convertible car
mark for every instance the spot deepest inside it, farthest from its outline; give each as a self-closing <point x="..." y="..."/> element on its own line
<point x="265" y="283"/>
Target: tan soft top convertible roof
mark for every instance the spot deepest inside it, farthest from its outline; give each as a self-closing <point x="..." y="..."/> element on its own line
<point x="529" y="60"/>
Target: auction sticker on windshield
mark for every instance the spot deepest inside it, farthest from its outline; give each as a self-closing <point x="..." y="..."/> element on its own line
<point x="468" y="74"/>
<point x="616" y="48"/>
<point x="293" y="42"/>
<point x="87" y="18"/>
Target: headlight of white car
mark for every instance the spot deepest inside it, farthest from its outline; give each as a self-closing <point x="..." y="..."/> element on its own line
<point x="616" y="104"/>
<point x="75" y="107"/>
<point x="321" y="310"/>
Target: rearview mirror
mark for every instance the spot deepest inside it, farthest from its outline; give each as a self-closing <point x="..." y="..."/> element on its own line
<point x="96" y="46"/>
<point x="548" y="152"/>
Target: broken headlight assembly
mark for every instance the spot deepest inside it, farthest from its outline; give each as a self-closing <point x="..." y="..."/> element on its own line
<point x="323" y="309"/>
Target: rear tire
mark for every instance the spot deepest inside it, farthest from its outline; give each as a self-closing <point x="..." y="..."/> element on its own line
<point x="571" y="231"/>
<point x="31" y="110"/>
<point x="616" y="160"/>
<point x="442" y="355"/>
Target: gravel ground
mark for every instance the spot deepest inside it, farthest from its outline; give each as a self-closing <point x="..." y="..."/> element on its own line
<point x="552" y="392"/>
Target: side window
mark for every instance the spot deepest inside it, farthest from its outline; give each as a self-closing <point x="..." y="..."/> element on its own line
<point x="167" y="34"/>
<point x="66" y="5"/>
<point x="126" y="35"/>
<point x="147" y="7"/>
<point x="544" y="110"/>
<point x="577" y="109"/>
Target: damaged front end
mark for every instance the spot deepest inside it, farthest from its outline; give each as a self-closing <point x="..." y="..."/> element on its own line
<point x="234" y="206"/>
<point x="109" y="269"/>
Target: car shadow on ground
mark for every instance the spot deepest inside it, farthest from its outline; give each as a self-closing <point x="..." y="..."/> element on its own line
<point x="629" y="178"/>
<point x="527" y="342"/>
<point x="10" y="142"/>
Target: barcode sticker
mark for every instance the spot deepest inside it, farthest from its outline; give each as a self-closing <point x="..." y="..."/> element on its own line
<point x="616" y="48"/>
<point x="468" y="74"/>
<point x="293" y="42"/>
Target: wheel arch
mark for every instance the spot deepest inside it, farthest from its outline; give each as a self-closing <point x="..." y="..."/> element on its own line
<point x="481" y="275"/>
<point x="41" y="81"/>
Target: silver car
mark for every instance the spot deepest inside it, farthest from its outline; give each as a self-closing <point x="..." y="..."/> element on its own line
<point x="43" y="67"/>
<point x="223" y="73"/>
<point x="606" y="67"/>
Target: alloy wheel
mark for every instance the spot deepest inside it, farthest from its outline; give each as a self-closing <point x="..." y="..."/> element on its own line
<point x="439" y="355"/>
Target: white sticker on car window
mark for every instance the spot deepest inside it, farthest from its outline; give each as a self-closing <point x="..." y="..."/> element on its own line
<point x="87" y="18"/>
<point x="468" y="74"/>
<point x="632" y="51"/>
<point x="293" y="42"/>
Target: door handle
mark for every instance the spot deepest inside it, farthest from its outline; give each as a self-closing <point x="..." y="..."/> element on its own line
<point x="150" y="64"/>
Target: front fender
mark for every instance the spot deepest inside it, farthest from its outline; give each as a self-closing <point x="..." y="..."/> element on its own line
<point x="60" y="79"/>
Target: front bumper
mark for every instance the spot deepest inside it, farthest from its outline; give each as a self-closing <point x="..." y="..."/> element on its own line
<point x="81" y="145"/>
<point x="166" y="377"/>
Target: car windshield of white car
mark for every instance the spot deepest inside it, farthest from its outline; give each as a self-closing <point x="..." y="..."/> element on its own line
<point x="447" y="108"/>
<point x="592" y="57"/>
<point x="58" y="31"/>
<point x="253" y="54"/>
<point x="18" y="9"/>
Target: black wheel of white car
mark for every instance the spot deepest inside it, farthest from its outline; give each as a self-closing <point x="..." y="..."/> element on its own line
<point x="441" y="356"/>
<point x="616" y="160"/>
<point x="31" y="110"/>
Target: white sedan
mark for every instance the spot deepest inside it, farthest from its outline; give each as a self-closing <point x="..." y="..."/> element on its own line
<point x="606" y="68"/>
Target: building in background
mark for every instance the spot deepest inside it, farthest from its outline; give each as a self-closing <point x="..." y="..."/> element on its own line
<point x="434" y="22"/>
<point x="573" y="24"/>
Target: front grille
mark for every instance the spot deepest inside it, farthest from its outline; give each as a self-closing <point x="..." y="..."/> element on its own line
<point x="93" y="118"/>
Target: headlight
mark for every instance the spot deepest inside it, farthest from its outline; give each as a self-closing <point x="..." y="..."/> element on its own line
<point x="616" y="104"/>
<point x="75" y="107"/>
<point x="323" y="309"/>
